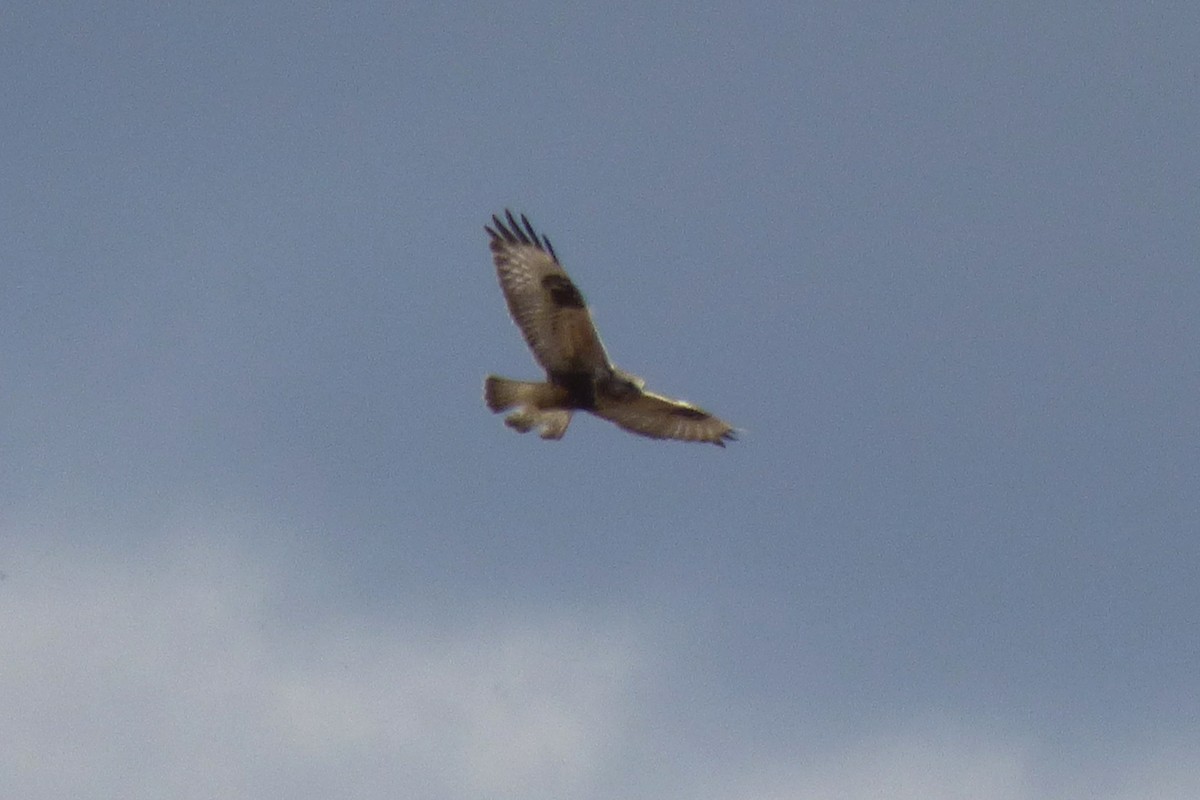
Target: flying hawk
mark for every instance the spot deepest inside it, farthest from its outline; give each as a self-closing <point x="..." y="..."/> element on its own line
<point x="556" y="324"/>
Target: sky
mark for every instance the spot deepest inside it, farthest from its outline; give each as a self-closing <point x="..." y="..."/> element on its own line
<point x="259" y="536"/>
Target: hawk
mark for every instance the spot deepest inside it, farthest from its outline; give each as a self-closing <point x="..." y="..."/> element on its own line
<point x="556" y="325"/>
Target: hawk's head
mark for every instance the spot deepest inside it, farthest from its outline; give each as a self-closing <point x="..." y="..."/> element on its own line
<point x="622" y="384"/>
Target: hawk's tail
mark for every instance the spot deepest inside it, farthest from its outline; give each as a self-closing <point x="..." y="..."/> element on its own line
<point x="540" y="405"/>
<point x="501" y="393"/>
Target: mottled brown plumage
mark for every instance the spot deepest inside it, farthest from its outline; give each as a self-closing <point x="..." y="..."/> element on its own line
<point x="556" y="324"/>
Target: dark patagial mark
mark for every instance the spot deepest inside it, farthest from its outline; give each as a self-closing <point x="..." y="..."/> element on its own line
<point x="562" y="292"/>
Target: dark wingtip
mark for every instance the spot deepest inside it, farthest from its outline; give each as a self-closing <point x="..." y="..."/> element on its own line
<point x="515" y="229"/>
<point x="528" y="227"/>
<point x="496" y="230"/>
<point x="518" y="232"/>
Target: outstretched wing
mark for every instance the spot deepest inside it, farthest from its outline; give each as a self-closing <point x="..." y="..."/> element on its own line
<point x="543" y="302"/>
<point x="661" y="417"/>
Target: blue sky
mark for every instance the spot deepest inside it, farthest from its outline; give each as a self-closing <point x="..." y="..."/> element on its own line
<point x="260" y="537"/>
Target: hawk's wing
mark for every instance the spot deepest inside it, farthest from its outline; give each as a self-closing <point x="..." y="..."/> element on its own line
<point x="661" y="417"/>
<point x="543" y="302"/>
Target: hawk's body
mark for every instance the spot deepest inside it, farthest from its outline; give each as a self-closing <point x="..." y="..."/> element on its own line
<point x="556" y="325"/>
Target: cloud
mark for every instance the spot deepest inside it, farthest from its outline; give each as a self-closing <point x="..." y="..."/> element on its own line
<point x="936" y="757"/>
<point x="1168" y="770"/>
<point x="201" y="663"/>
<point x="917" y="761"/>
<point x="178" y="671"/>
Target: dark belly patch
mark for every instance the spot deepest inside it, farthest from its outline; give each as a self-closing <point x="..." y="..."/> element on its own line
<point x="580" y="386"/>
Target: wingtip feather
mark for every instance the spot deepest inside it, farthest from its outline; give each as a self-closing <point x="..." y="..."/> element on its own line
<point x="513" y="231"/>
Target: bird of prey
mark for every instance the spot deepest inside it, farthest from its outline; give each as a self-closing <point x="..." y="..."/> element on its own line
<point x="556" y="325"/>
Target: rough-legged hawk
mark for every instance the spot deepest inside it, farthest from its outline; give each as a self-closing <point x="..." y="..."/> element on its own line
<point x="556" y="324"/>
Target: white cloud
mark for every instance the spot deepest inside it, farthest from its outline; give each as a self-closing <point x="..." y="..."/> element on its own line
<point x="938" y="758"/>
<point x="1168" y="770"/>
<point x="919" y="761"/>
<point x="167" y="673"/>
<point x="185" y="669"/>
